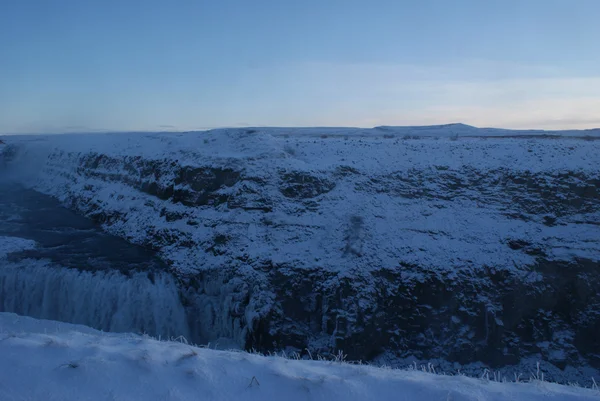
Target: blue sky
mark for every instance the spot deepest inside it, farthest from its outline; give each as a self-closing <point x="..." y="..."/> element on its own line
<point x="73" y="65"/>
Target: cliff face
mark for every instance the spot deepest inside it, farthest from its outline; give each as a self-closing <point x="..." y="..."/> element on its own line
<point x="366" y="241"/>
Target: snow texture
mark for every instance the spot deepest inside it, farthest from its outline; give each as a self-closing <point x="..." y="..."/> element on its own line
<point x="46" y="360"/>
<point x="416" y="224"/>
<point x="302" y="190"/>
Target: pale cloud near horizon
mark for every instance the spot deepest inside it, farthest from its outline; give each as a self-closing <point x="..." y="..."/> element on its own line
<point x="480" y="93"/>
<point x="539" y="114"/>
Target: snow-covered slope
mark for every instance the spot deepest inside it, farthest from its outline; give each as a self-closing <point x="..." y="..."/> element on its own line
<point x="460" y="247"/>
<point x="46" y="360"/>
<point x="308" y="191"/>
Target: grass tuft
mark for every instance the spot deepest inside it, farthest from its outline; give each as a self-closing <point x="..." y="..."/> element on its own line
<point x="254" y="380"/>
<point x="187" y="355"/>
<point x="71" y="365"/>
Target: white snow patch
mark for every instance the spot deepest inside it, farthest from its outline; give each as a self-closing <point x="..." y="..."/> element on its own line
<point x="14" y="244"/>
<point x="46" y="360"/>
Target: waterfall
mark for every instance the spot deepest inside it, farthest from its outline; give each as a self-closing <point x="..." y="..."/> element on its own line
<point x="107" y="300"/>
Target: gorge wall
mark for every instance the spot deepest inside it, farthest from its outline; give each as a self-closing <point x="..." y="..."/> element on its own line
<point x="368" y="241"/>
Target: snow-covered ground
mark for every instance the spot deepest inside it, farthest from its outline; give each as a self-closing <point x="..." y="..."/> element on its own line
<point x="398" y="192"/>
<point x="479" y="225"/>
<point x="47" y="360"/>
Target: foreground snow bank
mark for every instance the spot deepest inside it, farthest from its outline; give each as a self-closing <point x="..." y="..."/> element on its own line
<point x="46" y="360"/>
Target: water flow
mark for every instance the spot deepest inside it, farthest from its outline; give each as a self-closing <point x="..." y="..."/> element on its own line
<point x="105" y="300"/>
<point x="76" y="273"/>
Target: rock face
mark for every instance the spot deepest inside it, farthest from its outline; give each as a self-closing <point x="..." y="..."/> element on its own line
<point x="478" y="249"/>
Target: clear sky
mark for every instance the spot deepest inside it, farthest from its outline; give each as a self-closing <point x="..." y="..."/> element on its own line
<point x="84" y="65"/>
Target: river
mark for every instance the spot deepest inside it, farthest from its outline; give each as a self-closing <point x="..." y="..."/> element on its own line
<point x="76" y="273"/>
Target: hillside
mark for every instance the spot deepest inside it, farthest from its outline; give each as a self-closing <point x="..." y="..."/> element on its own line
<point x="383" y="243"/>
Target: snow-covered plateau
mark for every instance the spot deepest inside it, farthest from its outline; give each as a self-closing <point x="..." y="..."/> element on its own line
<point x="47" y="360"/>
<point x="471" y="247"/>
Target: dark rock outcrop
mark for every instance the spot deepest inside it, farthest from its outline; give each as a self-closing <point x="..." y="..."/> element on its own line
<point x="290" y="258"/>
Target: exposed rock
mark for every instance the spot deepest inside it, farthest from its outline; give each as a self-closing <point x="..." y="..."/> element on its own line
<point x="494" y="258"/>
<point x="302" y="185"/>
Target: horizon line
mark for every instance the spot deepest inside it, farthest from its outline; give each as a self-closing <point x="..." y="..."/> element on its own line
<point x="233" y="127"/>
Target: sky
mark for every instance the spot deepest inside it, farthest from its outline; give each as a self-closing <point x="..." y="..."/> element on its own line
<point x="154" y="65"/>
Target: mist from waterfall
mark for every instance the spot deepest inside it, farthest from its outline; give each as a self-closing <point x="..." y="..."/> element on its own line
<point x="106" y="300"/>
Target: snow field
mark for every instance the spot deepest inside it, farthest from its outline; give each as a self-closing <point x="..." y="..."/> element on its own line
<point x="47" y="360"/>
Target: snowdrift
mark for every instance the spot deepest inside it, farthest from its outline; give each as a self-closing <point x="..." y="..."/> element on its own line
<point x="46" y="360"/>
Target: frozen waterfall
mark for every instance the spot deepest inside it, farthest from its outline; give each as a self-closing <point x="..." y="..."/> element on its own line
<point x="144" y="302"/>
